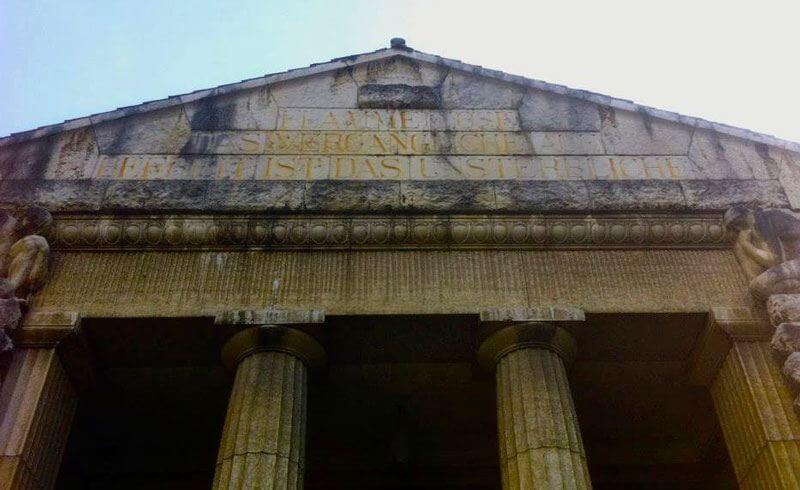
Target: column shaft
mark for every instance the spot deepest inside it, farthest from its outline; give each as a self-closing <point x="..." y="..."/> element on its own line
<point x="37" y="404"/>
<point x="540" y="442"/>
<point x="754" y="407"/>
<point x="263" y="442"/>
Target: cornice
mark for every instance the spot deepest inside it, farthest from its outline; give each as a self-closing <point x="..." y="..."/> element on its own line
<point x="247" y="232"/>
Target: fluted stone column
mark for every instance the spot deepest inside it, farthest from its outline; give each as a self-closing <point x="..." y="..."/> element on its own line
<point x="540" y="442"/>
<point x="263" y="441"/>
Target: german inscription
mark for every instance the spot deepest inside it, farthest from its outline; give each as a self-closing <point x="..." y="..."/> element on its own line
<point x="380" y="144"/>
<point x="392" y="167"/>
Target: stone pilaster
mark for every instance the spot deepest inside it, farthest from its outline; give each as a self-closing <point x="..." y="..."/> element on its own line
<point x="263" y="441"/>
<point x="752" y="399"/>
<point x="37" y="404"/>
<point x="540" y="441"/>
<point x="754" y="407"/>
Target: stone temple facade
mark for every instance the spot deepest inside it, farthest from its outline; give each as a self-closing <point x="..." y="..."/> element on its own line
<point x="396" y="270"/>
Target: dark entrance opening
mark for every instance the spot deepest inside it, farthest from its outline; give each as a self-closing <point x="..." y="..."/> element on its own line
<point x="154" y="416"/>
<point x="402" y="404"/>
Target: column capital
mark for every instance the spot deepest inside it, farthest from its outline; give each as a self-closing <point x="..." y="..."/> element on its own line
<point x="725" y="326"/>
<point x="526" y="335"/>
<point x="47" y="328"/>
<point x="272" y="338"/>
<point x="535" y="327"/>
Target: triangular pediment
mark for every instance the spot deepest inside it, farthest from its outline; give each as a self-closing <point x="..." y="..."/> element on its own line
<point x="400" y="115"/>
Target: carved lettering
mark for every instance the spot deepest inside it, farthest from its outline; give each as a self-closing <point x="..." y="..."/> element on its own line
<point x="399" y="166"/>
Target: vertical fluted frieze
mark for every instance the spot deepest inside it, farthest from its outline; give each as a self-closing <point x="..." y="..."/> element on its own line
<point x="754" y="407"/>
<point x="540" y="443"/>
<point x="263" y="442"/>
<point x="37" y="405"/>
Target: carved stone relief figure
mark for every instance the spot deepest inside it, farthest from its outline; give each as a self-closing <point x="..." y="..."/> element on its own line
<point x="24" y="256"/>
<point x="767" y="247"/>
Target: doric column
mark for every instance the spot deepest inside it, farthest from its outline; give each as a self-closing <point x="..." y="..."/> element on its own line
<point x="37" y="404"/>
<point x="752" y="398"/>
<point x="540" y="441"/>
<point x="263" y="441"/>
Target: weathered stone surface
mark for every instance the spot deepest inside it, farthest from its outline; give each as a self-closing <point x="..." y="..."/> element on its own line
<point x="161" y="131"/>
<point x="263" y="439"/>
<point x="355" y="196"/>
<point x="26" y="160"/>
<point x="158" y="195"/>
<point x="566" y="143"/>
<point x="557" y="313"/>
<point x="783" y="308"/>
<point x="551" y="453"/>
<point x="783" y="278"/>
<point x="541" y="196"/>
<point x="791" y="369"/>
<point x="69" y="155"/>
<point x="269" y="317"/>
<point x="274" y="196"/>
<point x="788" y="174"/>
<point x="464" y="91"/>
<point x="250" y="109"/>
<point x="399" y="96"/>
<point x="635" y="195"/>
<point x="724" y="157"/>
<point x="54" y="195"/>
<point x="631" y="133"/>
<point x="447" y="195"/>
<point x="74" y="155"/>
<point x="317" y="119"/>
<point x="787" y="338"/>
<point x="719" y="195"/>
<point x="399" y="70"/>
<point x="337" y="89"/>
<point x="542" y="111"/>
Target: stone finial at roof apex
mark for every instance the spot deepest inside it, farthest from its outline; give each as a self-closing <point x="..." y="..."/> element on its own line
<point x="398" y="43"/>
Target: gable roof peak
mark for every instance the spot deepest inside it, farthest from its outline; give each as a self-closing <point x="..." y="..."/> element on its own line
<point x="399" y="48"/>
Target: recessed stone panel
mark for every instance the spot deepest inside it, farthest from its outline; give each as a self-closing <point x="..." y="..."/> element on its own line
<point x="399" y="70"/>
<point x="161" y="131"/>
<point x="465" y="91"/>
<point x="725" y="157"/>
<point x="399" y="96"/>
<point x="332" y="89"/>
<point x="637" y="133"/>
<point x="250" y="109"/>
<point x="69" y="155"/>
<point x="566" y="143"/>
<point x="542" y="111"/>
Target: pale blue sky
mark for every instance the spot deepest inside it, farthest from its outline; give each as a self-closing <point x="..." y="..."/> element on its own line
<point x="727" y="61"/>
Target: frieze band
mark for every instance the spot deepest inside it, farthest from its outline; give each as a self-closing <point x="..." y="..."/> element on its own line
<point x="394" y="232"/>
